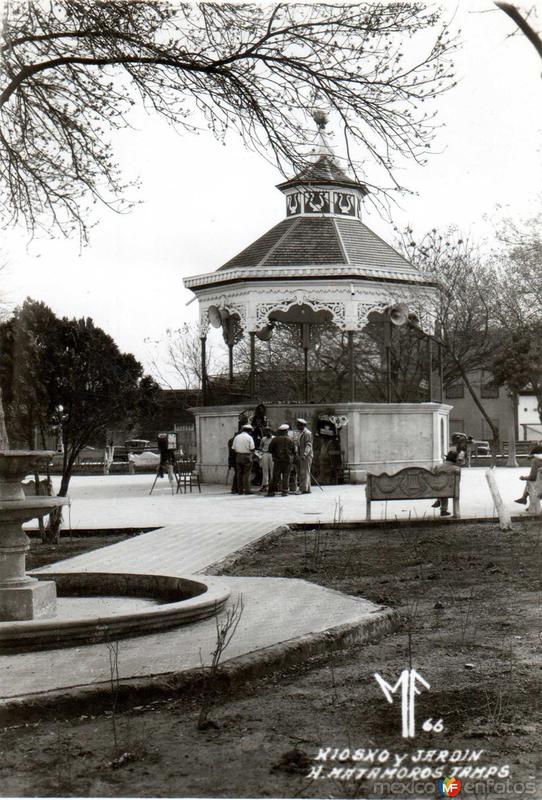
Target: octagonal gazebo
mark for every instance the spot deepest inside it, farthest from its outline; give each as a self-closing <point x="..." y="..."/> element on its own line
<point x="321" y="263"/>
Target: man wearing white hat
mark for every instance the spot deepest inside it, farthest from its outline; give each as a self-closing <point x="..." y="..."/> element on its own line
<point x="243" y="446"/>
<point x="305" y="456"/>
<point x="282" y="449"/>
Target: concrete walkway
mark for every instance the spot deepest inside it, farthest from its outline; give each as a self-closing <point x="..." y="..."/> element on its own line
<point x="277" y="614"/>
<point x="195" y="531"/>
<point x="198" y="530"/>
<point x="121" y="501"/>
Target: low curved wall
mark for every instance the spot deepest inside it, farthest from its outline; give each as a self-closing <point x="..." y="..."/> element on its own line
<point x="182" y="601"/>
<point x="379" y="437"/>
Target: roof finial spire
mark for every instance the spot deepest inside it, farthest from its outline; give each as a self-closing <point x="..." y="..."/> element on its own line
<point x="320" y="116"/>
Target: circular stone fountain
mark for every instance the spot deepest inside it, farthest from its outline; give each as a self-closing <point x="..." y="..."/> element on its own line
<point x="92" y="607"/>
<point x="22" y="597"/>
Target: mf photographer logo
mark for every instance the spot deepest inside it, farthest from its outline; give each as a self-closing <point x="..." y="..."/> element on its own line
<point x="408" y="684"/>
<point x="449" y="787"/>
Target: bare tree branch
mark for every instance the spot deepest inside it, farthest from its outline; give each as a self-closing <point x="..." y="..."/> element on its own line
<point x="71" y="71"/>
<point x="523" y="25"/>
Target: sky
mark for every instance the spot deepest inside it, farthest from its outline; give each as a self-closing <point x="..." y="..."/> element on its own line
<point x="201" y="202"/>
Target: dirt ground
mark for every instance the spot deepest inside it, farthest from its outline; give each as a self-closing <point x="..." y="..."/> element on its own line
<point x="42" y="554"/>
<point x="469" y="599"/>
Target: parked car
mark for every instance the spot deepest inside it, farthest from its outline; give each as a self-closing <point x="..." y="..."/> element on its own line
<point x="480" y="447"/>
<point x="136" y="446"/>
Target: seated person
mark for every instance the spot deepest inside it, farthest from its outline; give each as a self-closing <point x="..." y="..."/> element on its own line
<point x="536" y="464"/>
<point x="449" y="465"/>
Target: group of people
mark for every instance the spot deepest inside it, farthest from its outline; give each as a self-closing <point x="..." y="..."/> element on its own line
<point x="464" y="446"/>
<point x="285" y="458"/>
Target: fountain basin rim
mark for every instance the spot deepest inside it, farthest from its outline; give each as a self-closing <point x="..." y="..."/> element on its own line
<point x="21" y="511"/>
<point x="31" y="502"/>
<point x="52" y="633"/>
<point x="27" y="453"/>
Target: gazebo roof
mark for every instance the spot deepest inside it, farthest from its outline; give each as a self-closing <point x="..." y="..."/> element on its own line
<point x="305" y="241"/>
<point x="322" y="238"/>
<point x="323" y="172"/>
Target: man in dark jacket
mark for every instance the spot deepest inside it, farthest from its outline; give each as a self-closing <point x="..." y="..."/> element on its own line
<point x="232" y="464"/>
<point x="282" y="450"/>
<point x="449" y="465"/>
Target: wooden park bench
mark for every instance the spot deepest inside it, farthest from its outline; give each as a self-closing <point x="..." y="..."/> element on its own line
<point x="413" y="483"/>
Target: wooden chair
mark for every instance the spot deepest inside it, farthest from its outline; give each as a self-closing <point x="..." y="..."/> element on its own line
<point x="345" y="475"/>
<point x="187" y="476"/>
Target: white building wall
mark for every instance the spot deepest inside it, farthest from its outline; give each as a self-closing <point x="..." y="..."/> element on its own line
<point x="529" y="423"/>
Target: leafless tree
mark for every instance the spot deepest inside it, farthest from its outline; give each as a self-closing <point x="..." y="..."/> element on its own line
<point x="466" y="322"/>
<point x="182" y="357"/>
<point x="516" y="259"/>
<point x="71" y="70"/>
<point x="517" y="299"/>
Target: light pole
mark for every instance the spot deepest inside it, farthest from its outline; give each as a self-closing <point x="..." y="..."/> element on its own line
<point x="512" y="461"/>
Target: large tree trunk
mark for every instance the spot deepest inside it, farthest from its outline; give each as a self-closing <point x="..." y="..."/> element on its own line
<point x="4" y="440"/>
<point x="54" y="523"/>
<point x="494" y="430"/>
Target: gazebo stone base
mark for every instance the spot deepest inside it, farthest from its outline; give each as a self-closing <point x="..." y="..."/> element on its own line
<point x="32" y="599"/>
<point x="377" y="437"/>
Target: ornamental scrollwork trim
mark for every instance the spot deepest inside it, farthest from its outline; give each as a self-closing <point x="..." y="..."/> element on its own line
<point x="263" y="310"/>
<point x="364" y="309"/>
<point x="204" y="325"/>
<point x="240" y="310"/>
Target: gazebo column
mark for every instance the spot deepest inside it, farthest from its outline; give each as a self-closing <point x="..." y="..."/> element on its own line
<point x="203" y="340"/>
<point x="441" y="373"/>
<point x="252" y="388"/>
<point x="387" y="350"/>
<point x="228" y="327"/>
<point x="230" y="363"/>
<point x="352" y="366"/>
<point x="430" y="368"/>
<point x="305" y="341"/>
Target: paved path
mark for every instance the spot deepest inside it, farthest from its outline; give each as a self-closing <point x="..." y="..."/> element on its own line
<point x="123" y="501"/>
<point x="193" y="532"/>
<point x="276" y="611"/>
<point x="199" y="529"/>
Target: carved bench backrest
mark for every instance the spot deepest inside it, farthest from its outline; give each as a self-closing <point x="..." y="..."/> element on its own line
<point x="412" y="482"/>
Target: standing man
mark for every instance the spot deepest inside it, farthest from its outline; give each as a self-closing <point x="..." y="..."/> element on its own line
<point x="243" y="446"/>
<point x="267" y="459"/>
<point x="282" y="450"/>
<point x="293" y="485"/>
<point x="232" y="463"/>
<point x="536" y="464"/>
<point x="305" y="456"/>
<point x="449" y="465"/>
